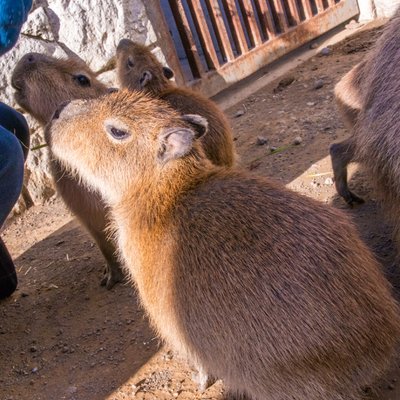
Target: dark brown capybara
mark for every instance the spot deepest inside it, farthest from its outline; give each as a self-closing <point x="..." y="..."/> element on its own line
<point x="139" y="69"/>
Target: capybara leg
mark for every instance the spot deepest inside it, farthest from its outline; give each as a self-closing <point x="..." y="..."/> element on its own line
<point x="203" y="380"/>
<point x="341" y="155"/>
<point x="113" y="272"/>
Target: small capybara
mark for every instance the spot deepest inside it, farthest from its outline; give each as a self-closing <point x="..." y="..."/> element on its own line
<point x="375" y="141"/>
<point x="269" y="290"/>
<point x="139" y="69"/>
<point x="41" y="84"/>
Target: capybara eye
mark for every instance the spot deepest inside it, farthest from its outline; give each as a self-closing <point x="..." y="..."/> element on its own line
<point x="130" y="63"/>
<point x="118" y="134"/>
<point x="82" y="80"/>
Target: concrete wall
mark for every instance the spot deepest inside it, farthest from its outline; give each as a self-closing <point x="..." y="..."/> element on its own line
<point x="370" y="9"/>
<point x="88" y="28"/>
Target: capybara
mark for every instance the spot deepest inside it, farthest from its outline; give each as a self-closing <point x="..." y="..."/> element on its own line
<point x="267" y="289"/>
<point x="349" y="101"/>
<point x="139" y="69"/>
<point x="375" y="142"/>
<point x="41" y="84"/>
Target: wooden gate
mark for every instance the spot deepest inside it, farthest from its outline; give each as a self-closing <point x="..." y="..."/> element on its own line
<point x="211" y="44"/>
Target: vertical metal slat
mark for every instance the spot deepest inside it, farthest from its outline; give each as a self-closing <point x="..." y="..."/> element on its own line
<point x="307" y="9"/>
<point x="293" y="11"/>
<point x="187" y="38"/>
<point x="250" y="22"/>
<point x="281" y="15"/>
<point x="266" y="20"/>
<point x="235" y="25"/>
<point x="204" y="33"/>
<point x="320" y="6"/>
<point x="220" y="29"/>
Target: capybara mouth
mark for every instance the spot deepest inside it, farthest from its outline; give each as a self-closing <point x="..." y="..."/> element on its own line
<point x="16" y="84"/>
<point x="59" y="110"/>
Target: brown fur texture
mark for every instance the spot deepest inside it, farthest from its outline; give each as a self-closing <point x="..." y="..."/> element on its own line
<point x="369" y="99"/>
<point x="269" y="290"/>
<point x="42" y="83"/>
<point x="139" y="69"/>
<point x="377" y="131"/>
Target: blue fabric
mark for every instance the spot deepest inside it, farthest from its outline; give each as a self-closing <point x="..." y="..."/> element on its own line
<point x="16" y="123"/>
<point x="11" y="172"/>
<point x="13" y="13"/>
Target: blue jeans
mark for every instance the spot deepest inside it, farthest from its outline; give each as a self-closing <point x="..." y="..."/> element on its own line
<point x="14" y="146"/>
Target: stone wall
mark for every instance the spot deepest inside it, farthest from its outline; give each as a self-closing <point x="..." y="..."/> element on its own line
<point x="89" y="28"/>
<point x="370" y="9"/>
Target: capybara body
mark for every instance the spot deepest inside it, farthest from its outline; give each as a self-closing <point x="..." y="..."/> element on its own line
<point x="139" y="69"/>
<point x="349" y="100"/>
<point x="42" y="84"/>
<point x="372" y="90"/>
<point x="269" y="290"/>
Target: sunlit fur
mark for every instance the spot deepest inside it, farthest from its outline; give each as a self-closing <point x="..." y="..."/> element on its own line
<point x="269" y="290"/>
<point x="218" y="144"/>
<point x="43" y="85"/>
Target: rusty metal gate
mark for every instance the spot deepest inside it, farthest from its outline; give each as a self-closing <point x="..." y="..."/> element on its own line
<point x="211" y="44"/>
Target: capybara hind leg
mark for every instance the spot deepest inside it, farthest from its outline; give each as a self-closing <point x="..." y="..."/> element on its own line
<point x="341" y="155"/>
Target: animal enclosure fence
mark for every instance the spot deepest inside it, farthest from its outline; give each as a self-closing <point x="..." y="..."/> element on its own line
<point x="213" y="43"/>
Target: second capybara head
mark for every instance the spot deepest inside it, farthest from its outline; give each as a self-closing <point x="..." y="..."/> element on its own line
<point x="139" y="69"/>
<point x="43" y="82"/>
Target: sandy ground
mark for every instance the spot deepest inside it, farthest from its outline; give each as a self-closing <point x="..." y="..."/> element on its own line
<point x="63" y="336"/>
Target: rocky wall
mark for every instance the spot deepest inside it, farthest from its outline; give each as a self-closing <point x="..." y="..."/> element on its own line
<point x="90" y="29"/>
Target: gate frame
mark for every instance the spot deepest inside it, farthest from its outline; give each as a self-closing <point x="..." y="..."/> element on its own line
<point x="214" y="81"/>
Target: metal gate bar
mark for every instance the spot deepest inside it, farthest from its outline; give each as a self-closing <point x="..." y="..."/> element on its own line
<point x="220" y="29"/>
<point x="227" y="40"/>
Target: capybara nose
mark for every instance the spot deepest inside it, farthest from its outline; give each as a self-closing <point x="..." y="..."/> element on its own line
<point x="61" y="107"/>
<point x="31" y="58"/>
<point x="123" y="43"/>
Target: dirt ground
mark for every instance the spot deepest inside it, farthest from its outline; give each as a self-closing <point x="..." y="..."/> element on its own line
<point x="63" y="336"/>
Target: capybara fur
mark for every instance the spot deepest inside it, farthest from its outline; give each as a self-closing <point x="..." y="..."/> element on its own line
<point x="269" y="290"/>
<point x="375" y="141"/>
<point x="139" y="69"/>
<point x="348" y="96"/>
<point x="41" y="84"/>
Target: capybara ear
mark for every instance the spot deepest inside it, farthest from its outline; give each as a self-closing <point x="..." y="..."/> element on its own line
<point x="175" y="143"/>
<point x="168" y="73"/>
<point x="146" y="77"/>
<point x="198" y="123"/>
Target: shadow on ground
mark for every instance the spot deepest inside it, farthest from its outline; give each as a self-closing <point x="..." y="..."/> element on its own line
<point x="62" y="327"/>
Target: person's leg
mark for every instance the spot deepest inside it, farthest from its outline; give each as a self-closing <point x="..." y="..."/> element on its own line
<point x="11" y="179"/>
<point x="11" y="172"/>
<point x="8" y="275"/>
<point x="16" y="123"/>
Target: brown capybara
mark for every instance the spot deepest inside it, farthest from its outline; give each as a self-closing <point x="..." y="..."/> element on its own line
<point x="41" y="84"/>
<point x="139" y="69"/>
<point x="349" y="100"/>
<point x="269" y="290"/>
<point x="375" y="142"/>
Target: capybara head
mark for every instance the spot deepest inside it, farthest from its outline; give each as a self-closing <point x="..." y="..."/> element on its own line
<point x="42" y="83"/>
<point x="123" y="138"/>
<point x="139" y="69"/>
